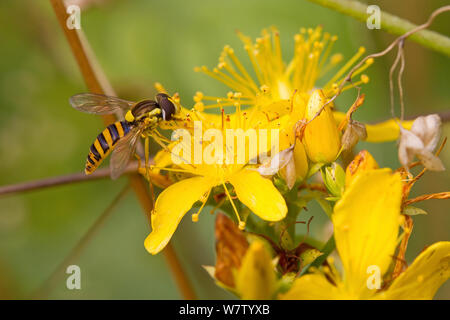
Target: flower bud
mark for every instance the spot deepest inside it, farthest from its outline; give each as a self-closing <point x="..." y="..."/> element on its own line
<point x="321" y="136"/>
<point x="296" y="168"/>
<point x="362" y="162"/>
<point x="334" y="179"/>
<point x="256" y="278"/>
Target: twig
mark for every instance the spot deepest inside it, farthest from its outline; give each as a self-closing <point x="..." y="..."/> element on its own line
<point x="301" y="125"/>
<point x="391" y="24"/>
<point x="61" y="180"/>
<point x="98" y="83"/>
<point x="394" y="43"/>
<point x="400" y="259"/>
<point x="439" y="195"/>
<point x="49" y="284"/>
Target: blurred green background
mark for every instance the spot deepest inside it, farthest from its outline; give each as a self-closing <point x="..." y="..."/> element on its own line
<point x="137" y="43"/>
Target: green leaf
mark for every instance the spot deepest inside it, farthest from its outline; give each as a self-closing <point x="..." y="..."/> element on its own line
<point x="413" y="211"/>
<point x="310" y="255"/>
<point x="315" y="168"/>
<point x="327" y="249"/>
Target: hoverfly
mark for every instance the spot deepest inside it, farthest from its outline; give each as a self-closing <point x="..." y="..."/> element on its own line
<point x="120" y="138"/>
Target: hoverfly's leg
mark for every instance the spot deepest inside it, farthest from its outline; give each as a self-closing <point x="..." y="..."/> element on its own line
<point x="161" y="137"/>
<point x="139" y="161"/>
<point x="147" y="169"/>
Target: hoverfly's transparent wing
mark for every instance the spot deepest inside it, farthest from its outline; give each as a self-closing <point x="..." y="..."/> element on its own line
<point x="123" y="151"/>
<point x="98" y="103"/>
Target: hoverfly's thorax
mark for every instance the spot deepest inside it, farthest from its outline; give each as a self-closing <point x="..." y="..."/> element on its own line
<point x="142" y="107"/>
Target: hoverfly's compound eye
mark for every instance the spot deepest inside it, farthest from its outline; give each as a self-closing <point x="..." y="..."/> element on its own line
<point x="167" y="106"/>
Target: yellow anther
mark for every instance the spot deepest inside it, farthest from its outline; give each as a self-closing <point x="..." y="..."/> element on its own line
<point x="197" y="69"/>
<point x="241" y="225"/>
<point x="129" y="116"/>
<point x="237" y="94"/>
<point x="199" y="106"/>
<point x="336" y="58"/>
<point x="364" y="78"/>
<point x="230" y="95"/>
<point x="195" y="217"/>
<point x="362" y="49"/>
<point x="334" y="38"/>
<point x="198" y="96"/>
<point x="175" y="98"/>
<point x="370" y="61"/>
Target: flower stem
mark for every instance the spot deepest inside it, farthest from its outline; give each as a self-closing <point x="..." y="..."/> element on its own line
<point x="97" y="82"/>
<point x="390" y="23"/>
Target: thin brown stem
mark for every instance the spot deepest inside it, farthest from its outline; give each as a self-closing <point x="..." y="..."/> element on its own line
<point x="439" y="195"/>
<point x="75" y="253"/>
<point x="97" y="82"/>
<point x="61" y="180"/>
<point x="398" y="41"/>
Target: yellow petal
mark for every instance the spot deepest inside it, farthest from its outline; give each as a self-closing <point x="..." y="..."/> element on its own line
<point x="312" y="287"/>
<point x="366" y="222"/>
<point x="424" y="277"/>
<point x="301" y="161"/>
<point x="170" y="207"/>
<point x="259" y="195"/>
<point x="380" y="132"/>
<point x="255" y="279"/>
<point x="363" y="161"/>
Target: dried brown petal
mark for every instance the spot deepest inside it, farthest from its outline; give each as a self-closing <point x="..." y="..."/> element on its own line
<point x="231" y="246"/>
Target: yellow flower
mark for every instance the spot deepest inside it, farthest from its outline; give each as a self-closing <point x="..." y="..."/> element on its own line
<point x="277" y="81"/>
<point x="322" y="139"/>
<point x="366" y="222"/>
<point x="257" y="193"/>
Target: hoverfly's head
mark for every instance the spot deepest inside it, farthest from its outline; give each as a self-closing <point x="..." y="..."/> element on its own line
<point x="168" y="108"/>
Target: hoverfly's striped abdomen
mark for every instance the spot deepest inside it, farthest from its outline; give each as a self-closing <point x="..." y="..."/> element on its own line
<point x="105" y="143"/>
